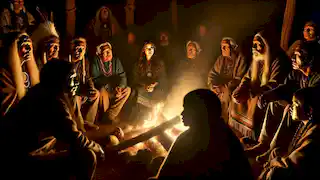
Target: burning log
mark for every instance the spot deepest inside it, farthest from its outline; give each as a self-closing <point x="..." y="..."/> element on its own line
<point x="147" y="135"/>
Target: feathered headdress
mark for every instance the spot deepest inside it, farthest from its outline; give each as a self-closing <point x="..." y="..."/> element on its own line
<point x="46" y="31"/>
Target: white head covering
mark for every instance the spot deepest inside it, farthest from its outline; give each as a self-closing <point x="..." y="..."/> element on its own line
<point x="233" y="43"/>
<point x="98" y="51"/>
<point x="196" y="45"/>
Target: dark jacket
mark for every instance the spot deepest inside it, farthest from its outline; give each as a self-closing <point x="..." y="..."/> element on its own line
<point x="109" y="81"/>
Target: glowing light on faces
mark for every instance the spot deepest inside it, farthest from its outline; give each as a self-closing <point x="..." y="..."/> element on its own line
<point x="106" y="53"/>
<point x="25" y="47"/>
<point x="78" y="50"/>
<point x="225" y="48"/>
<point x="258" y="48"/>
<point x="309" y="33"/>
<point x="149" y="51"/>
<point x="191" y="51"/>
<point x="53" y="50"/>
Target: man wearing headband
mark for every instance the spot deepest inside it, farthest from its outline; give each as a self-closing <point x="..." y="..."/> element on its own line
<point x="19" y="72"/>
<point x="46" y="43"/>
<point x="87" y="94"/>
<point x="16" y="18"/>
<point x="109" y="76"/>
<point x="227" y="72"/>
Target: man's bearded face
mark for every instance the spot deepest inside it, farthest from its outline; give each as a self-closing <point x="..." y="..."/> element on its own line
<point x="25" y="47"/>
<point x="18" y="4"/>
<point x="78" y="51"/>
<point x="309" y="33"/>
<point x="104" y="14"/>
<point x="106" y="53"/>
<point x="53" y="50"/>
<point x="191" y="51"/>
<point x="225" y="48"/>
<point x="258" y="49"/>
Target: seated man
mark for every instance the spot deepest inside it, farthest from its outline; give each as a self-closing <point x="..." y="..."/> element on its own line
<point x="18" y="71"/>
<point x="302" y="158"/>
<point x="227" y="72"/>
<point x="44" y="112"/>
<point x="87" y="94"/>
<point x="208" y="149"/>
<point x="46" y="43"/>
<point x="109" y="76"/>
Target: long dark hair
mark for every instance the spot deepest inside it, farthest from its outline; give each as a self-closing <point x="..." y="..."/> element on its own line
<point x="156" y="64"/>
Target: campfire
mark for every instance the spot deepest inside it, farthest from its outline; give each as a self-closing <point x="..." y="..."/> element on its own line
<point x="156" y="134"/>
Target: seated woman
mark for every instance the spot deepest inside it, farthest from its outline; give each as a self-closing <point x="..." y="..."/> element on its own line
<point x="208" y="149"/>
<point x="149" y="79"/>
<point x="302" y="158"/>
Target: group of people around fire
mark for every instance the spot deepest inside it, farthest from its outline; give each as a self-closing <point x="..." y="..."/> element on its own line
<point x="264" y="112"/>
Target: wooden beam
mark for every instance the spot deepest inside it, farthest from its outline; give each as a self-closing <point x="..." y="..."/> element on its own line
<point x="288" y="17"/>
<point x="174" y="14"/>
<point x="70" y="17"/>
<point x="130" y="7"/>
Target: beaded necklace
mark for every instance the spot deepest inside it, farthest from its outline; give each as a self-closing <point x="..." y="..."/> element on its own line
<point x="297" y="136"/>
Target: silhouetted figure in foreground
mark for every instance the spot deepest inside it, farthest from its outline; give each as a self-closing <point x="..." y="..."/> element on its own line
<point x="208" y="149"/>
<point x="45" y="115"/>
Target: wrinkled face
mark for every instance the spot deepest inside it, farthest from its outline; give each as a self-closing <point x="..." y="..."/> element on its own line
<point x="18" y="4"/>
<point x="78" y="51"/>
<point x="258" y="48"/>
<point x="131" y="38"/>
<point x="149" y="50"/>
<point x="191" y="51"/>
<point x="106" y="53"/>
<point x="202" y="30"/>
<point x="53" y="50"/>
<point x="73" y="84"/>
<point x="25" y="47"/>
<point x="225" y="48"/>
<point x="104" y="14"/>
<point x="309" y="33"/>
<point x="298" y="112"/>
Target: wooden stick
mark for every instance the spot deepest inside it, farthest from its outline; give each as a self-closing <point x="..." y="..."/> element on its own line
<point x="147" y="135"/>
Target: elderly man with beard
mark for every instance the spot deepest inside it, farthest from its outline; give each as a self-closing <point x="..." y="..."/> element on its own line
<point x="28" y="130"/>
<point x="227" y="72"/>
<point x="269" y="68"/>
<point x="87" y="93"/>
<point x="46" y="43"/>
<point x="19" y="71"/>
<point x="109" y="76"/>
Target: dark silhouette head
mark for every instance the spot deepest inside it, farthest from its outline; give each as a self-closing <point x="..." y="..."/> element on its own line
<point x="56" y="75"/>
<point x="199" y="106"/>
